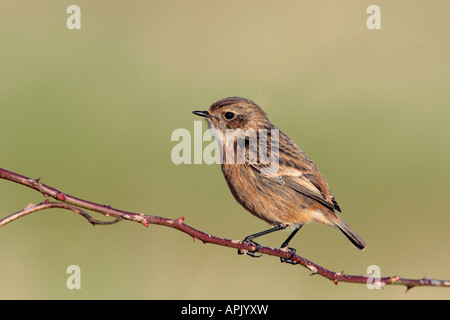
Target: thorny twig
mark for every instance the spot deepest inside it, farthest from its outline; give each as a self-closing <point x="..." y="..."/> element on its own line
<point x="77" y="205"/>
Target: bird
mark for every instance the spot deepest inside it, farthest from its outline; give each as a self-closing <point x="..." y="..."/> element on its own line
<point x="287" y="194"/>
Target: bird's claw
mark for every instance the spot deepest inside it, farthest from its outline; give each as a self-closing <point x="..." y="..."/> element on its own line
<point x="251" y="253"/>
<point x="292" y="251"/>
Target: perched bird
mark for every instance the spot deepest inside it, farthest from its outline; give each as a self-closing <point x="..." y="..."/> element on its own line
<point x="288" y="192"/>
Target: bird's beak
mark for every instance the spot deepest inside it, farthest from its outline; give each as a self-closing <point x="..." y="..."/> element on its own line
<point x="202" y="114"/>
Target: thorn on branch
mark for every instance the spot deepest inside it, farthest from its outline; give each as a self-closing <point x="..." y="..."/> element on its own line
<point x="313" y="269"/>
<point x="37" y="184"/>
<point x="61" y="197"/>
<point x="180" y="219"/>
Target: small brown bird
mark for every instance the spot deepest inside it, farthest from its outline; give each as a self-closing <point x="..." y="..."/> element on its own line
<point x="292" y="193"/>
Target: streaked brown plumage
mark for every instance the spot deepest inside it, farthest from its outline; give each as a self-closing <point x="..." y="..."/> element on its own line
<point x="295" y="194"/>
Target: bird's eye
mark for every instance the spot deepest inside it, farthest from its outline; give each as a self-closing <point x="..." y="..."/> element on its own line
<point x="229" y="115"/>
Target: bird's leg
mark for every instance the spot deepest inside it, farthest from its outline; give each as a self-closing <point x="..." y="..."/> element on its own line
<point x="291" y="250"/>
<point x="249" y="239"/>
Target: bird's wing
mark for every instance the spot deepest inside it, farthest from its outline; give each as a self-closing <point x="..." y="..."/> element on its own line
<point x="298" y="172"/>
<point x="302" y="185"/>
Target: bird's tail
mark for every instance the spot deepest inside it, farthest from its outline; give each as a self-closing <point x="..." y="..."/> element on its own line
<point x="348" y="232"/>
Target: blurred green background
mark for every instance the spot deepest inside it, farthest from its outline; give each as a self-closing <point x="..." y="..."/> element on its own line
<point x="91" y="112"/>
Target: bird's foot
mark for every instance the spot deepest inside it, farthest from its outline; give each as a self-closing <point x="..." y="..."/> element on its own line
<point x="292" y="251"/>
<point x="252" y="253"/>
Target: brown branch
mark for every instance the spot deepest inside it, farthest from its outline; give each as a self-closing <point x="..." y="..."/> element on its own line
<point x="48" y="205"/>
<point x="75" y="204"/>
